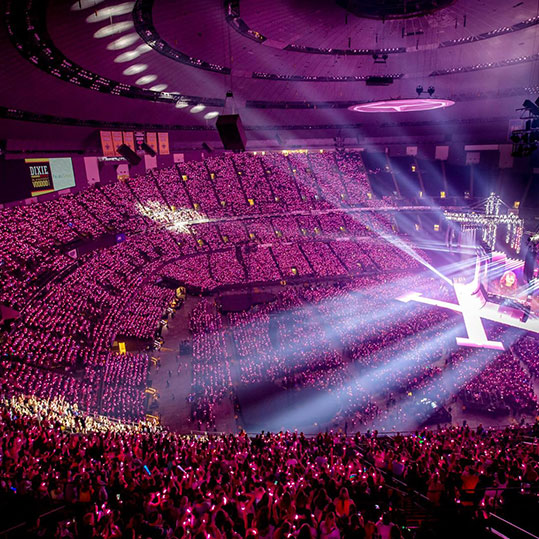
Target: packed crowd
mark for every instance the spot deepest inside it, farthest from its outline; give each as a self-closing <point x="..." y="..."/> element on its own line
<point x="367" y="369"/>
<point x="137" y="480"/>
<point x="229" y="220"/>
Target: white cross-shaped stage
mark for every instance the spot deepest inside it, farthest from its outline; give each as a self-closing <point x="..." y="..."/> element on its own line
<point x="474" y="307"/>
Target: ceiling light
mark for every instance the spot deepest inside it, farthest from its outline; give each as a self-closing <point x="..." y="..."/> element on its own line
<point x="113" y="29"/>
<point x="146" y="79"/>
<point x="210" y="115"/>
<point x="181" y="104"/>
<point x="126" y="56"/>
<point x="112" y="11"/>
<point x="403" y="105"/>
<point x="135" y="69"/>
<point x="159" y="87"/>
<point x="85" y="4"/>
<point x="197" y="108"/>
<point x="123" y="42"/>
<point x="144" y="47"/>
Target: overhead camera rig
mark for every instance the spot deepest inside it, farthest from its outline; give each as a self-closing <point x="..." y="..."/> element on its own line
<point x="525" y="141"/>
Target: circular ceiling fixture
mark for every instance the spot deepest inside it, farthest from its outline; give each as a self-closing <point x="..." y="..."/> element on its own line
<point x="414" y="104"/>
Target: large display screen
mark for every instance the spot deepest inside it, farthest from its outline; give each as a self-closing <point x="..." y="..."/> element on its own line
<point x="505" y="278"/>
<point x="50" y="174"/>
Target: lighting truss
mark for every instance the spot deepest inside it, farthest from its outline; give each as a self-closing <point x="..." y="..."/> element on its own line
<point x="488" y="219"/>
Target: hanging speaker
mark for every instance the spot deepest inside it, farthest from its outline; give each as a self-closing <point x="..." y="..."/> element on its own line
<point x="148" y="149"/>
<point x="529" y="263"/>
<point x="129" y="154"/>
<point x="231" y="131"/>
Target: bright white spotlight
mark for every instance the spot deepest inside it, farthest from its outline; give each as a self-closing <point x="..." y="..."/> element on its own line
<point x="114" y="28"/>
<point x="123" y="42"/>
<point x="112" y="11"/>
<point x="158" y="87"/>
<point x="127" y="56"/>
<point x="135" y="69"/>
<point x="197" y="108"/>
<point x="146" y="79"/>
<point x="85" y="4"/>
<point x="176" y="220"/>
<point x="210" y="115"/>
<point x="181" y="104"/>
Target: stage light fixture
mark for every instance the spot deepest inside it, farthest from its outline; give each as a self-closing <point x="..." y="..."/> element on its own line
<point x="431" y="90"/>
<point x="419" y="90"/>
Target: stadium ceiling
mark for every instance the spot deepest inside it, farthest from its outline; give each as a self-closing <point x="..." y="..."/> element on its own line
<point x="292" y="65"/>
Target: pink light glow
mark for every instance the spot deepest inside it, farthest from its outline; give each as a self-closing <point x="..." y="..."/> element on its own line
<point x="403" y="105"/>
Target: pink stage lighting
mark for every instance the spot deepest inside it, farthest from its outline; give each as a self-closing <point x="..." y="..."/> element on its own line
<point x="414" y="104"/>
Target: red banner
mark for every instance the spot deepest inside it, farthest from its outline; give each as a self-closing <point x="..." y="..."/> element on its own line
<point x="117" y="140"/>
<point x="106" y="144"/>
<point x="129" y="139"/>
<point x="163" y="143"/>
<point x="151" y="141"/>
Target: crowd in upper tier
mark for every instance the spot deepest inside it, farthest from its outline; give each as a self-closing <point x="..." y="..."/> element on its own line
<point x="115" y="479"/>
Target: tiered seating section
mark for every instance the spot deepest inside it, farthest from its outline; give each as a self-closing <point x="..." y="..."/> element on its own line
<point x="111" y="479"/>
<point x="231" y="220"/>
<point x="366" y="354"/>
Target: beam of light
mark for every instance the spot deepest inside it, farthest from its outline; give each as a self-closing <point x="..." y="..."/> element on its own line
<point x="113" y="29"/>
<point x="328" y="315"/>
<point x="112" y="11"/>
<point x="401" y="366"/>
<point x="311" y="341"/>
<point x="400" y="244"/>
<point x="176" y="220"/>
<point x="441" y="389"/>
<point x="382" y="379"/>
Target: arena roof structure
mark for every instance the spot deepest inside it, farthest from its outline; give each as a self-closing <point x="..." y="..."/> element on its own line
<point x="294" y="67"/>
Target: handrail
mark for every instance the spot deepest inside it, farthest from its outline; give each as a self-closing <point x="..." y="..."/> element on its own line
<point x="529" y="534"/>
<point x="22" y="524"/>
